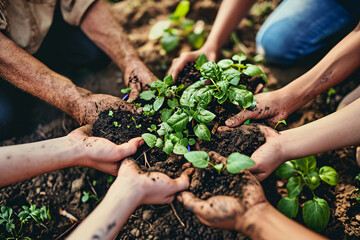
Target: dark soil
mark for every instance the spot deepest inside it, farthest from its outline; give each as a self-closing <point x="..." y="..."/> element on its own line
<point x="188" y="75"/>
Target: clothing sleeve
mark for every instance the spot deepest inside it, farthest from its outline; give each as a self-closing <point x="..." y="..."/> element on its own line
<point x="74" y="10"/>
<point x="3" y="23"/>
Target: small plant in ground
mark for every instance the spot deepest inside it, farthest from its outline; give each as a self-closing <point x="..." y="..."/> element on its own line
<point x="116" y="124"/>
<point x="136" y="125"/>
<point x="282" y="121"/>
<point x="126" y="90"/>
<point x="87" y="195"/>
<point x="236" y="162"/>
<point x="191" y="107"/>
<point x="177" y="27"/>
<point x="38" y="214"/>
<point x="330" y="92"/>
<point x="304" y="173"/>
<point x="357" y="185"/>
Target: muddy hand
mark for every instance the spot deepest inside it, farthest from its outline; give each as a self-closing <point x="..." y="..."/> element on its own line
<point x="93" y="104"/>
<point x="100" y="153"/>
<point x="137" y="76"/>
<point x="223" y="211"/>
<point x="271" y="106"/>
<point x="155" y="187"/>
<point x="267" y="157"/>
<point x="179" y="63"/>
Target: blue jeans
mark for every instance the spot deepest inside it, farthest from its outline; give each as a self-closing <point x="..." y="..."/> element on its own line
<point x="299" y="28"/>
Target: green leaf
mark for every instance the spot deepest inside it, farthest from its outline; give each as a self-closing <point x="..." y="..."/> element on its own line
<point x="169" y="41"/>
<point x="85" y="197"/>
<point x="225" y="63"/>
<point x="182" y="9"/>
<point x="178" y="121"/>
<point x="148" y="108"/>
<point x="224" y="85"/>
<point x="173" y="103"/>
<point x="231" y="75"/>
<point x="329" y="175"/>
<point x="237" y="162"/>
<point x="252" y="70"/>
<point x="164" y="129"/>
<point x="307" y="164"/>
<point x="180" y="149"/>
<point x="312" y="180"/>
<point x="316" y="214"/>
<point x="168" y="147"/>
<point x="158" y="30"/>
<point x="159" y="143"/>
<point x="199" y="159"/>
<point x="158" y="103"/>
<point x="203" y="97"/>
<point x="184" y="142"/>
<point x="175" y="137"/>
<point x="159" y="85"/>
<point x="200" y="60"/>
<point x="294" y="186"/>
<point x="191" y="141"/>
<point x="288" y="206"/>
<point x="168" y="80"/>
<point x="149" y="138"/>
<point x="239" y="57"/>
<point x="187" y="97"/>
<point x="210" y="70"/>
<point x="219" y="167"/>
<point x="204" y="116"/>
<point x="111" y="113"/>
<point x="202" y="131"/>
<point x="286" y="170"/>
<point x="196" y="39"/>
<point x="126" y="90"/>
<point x="166" y="114"/>
<point x="147" y="95"/>
<point x="240" y="97"/>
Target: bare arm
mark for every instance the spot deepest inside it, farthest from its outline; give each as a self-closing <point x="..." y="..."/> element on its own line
<point x="27" y="73"/>
<point x="336" y="66"/>
<point x="102" y="28"/>
<point x="131" y="189"/>
<point x="77" y="149"/>
<point x="228" y="17"/>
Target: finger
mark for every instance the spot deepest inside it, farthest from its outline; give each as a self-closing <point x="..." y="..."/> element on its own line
<point x="259" y="88"/>
<point x="129" y="165"/>
<point x="181" y="183"/>
<point x="217" y="157"/>
<point x="134" y="93"/>
<point x="240" y="118"/>
<point x="186" y="198"/>
<point x="177" y="66"/>
<point x="129" y="148"/>
<point x="84" y="131"/>
<point x="224" y="129"/>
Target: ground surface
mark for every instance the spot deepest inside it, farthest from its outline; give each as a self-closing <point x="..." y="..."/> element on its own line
<point x="63" y="189"/>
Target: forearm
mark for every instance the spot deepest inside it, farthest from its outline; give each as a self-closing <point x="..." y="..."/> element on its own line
<point x="336" y="66"/>
<point x="27" y="73"/>
<point x="337" y="130"/>
<point x="228" y="17"/>
<point x="112" y="213"/>
<point x="103" y="29"/>
<point x="265" y="222"/>
<point x="28" y="160"/>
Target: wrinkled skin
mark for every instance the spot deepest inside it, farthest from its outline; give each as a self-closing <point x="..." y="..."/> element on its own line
<point x="137" y="76"/>
<point x="226" y="212"/>
<point x="101" y="153"/>
<point x="271" y="106"/>
<point x="268" y="157"/>
<point x="157" y="188"/>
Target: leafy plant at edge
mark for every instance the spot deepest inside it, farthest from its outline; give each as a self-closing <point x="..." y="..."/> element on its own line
<point x="303" y="172"/>
<point x="191" y="106"/>
<point x="176" y="27"/>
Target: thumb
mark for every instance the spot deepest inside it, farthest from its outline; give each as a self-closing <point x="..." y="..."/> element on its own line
<point x="129" y="148"/>
<point x="134" y="93"/>
<point x="240" y="118"/>
<point x="181" y="183"/>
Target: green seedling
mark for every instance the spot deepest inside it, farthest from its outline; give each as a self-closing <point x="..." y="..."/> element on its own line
<point x="38" y="214"/>
<point x="6" y="218"/>
<point x="247" y="121"/>
<point x="180" y="113"/>
<point x="330" y="92"/>
<point x="282" y="121"/>
<point x="304" y="173"/>
<point x="110" y="179"/>
<point x="87" y="196"/>
<point x="116" y="124"/>
<point x="236" y="162"/>
<point x="137" y="126"/>
<point x="126" y="90"/>
<point x="177" y="28"/>
<point x="357" y="185"/>
<point x="152" y="128"/>
<point x="111" y="113"/>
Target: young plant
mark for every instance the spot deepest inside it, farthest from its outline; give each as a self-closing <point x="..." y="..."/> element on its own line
<point x="38" y="214"/>
<point x="236" y="162"/>
<point x="136" y="125"/>
<point x="87" y="195"/>
<point x="282" y="121"/>
<point x="6" y="218"/>
<point x="304" y="173"/>
<point x="177" y="27"/>
<point x="357" y="185"/>
<point x="330" y="92"/>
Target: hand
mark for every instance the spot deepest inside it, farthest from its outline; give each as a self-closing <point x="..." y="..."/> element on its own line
<point x="224" y="211"/>
<point x="271" y="106"/>
<point x="102" y="154"/>
<point x="92" y="105"/>
<point x="137" y="76"/>
<point x="179" y="63"/>
<point x="155" y="188"/>
<point x="269" y="156"/>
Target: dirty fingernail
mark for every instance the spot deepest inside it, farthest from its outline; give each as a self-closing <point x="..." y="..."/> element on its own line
<point x="141" y="142"/>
